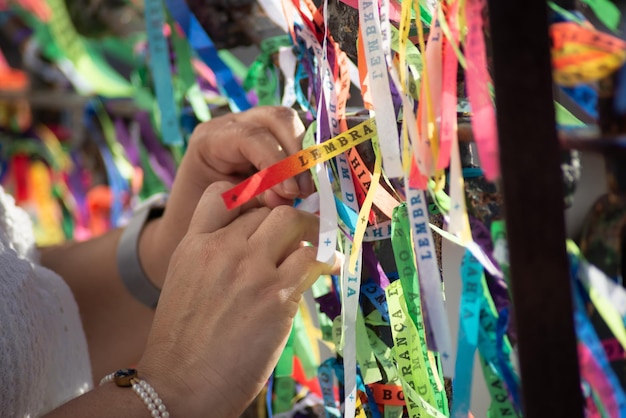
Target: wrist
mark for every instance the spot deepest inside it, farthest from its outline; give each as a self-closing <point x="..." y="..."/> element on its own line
<point x="189" y="394"/>
<point x="157" y="399"/>
<point x="153" y="259"/>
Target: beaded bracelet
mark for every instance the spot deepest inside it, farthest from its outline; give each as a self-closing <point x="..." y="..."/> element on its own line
<point x="130" y="377"/>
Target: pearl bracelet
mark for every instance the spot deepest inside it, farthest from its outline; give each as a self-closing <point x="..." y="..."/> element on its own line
<point x="130" y="378"/>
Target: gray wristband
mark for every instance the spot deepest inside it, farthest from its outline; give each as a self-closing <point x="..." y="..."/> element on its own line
<point x="128" y="263"/>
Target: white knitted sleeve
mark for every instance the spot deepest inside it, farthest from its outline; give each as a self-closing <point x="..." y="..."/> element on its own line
<point x="16" y="228"/>
<point x="43" y="350"/>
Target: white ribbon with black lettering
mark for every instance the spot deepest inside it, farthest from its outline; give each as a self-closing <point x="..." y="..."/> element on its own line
<point x="429" y="276"/>
<point x="377" y="74"/>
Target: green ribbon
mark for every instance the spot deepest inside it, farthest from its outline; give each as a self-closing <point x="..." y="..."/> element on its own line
<point x="88" y="63"/>
<point x="284" y="385"/>
<point x="405" y="263"/>
<point x="606" y="11"/>
<point x="500" y="406"/>
<point x="262" y="77"/>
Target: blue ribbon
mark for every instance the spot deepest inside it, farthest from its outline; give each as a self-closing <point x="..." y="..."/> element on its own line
<point x="119" y="186"/>
<point x="161" y="77"/>
<point x="586" y="97"/>
<point x="347" y="214"/>
<point x="503" y="359"/>
<point x="487" y="346"/>
<point x="587" y="335"/>
<point x="371" y="402"/>
<point x="325" y="374"/>
<point x="300" y="96"/>
<point x="268" y="396"/>
<point x="4" y="164"/>
<point x="620" y="92"/>
<point x="376" y="295"/>
<point x="469" y="321"/>
<point x="204" y="46"/>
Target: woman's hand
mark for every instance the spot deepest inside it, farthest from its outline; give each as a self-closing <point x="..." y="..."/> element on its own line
<point x="228" y="303"/>
<point x="228" y="148"/>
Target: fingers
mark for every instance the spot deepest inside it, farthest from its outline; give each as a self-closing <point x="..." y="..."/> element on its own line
<point x="275" y="236"/>
<point x="211" y="214"/>
<point x="280" y="241"/>
<point x="283" y="231"/>
<point x="256" y="139"/>
<point x="280" y="135"/>
<point x="300" y="270"/>
<point x="289" y="130"/>
<point x="284" y="123"/>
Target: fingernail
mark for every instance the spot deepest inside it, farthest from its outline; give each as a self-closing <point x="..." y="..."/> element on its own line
<point x="290" y="188"/>
<point x="305" y="181"/>
<point x="338" y="262"/>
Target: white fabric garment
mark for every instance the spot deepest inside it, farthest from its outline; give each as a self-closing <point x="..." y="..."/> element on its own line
<point x="44" y="360"/>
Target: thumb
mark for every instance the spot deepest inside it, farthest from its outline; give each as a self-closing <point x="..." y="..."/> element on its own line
<point x="211" y="213"/>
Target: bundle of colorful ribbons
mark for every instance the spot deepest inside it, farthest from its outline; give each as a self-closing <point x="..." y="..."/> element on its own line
<point x="389" y="179"/>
